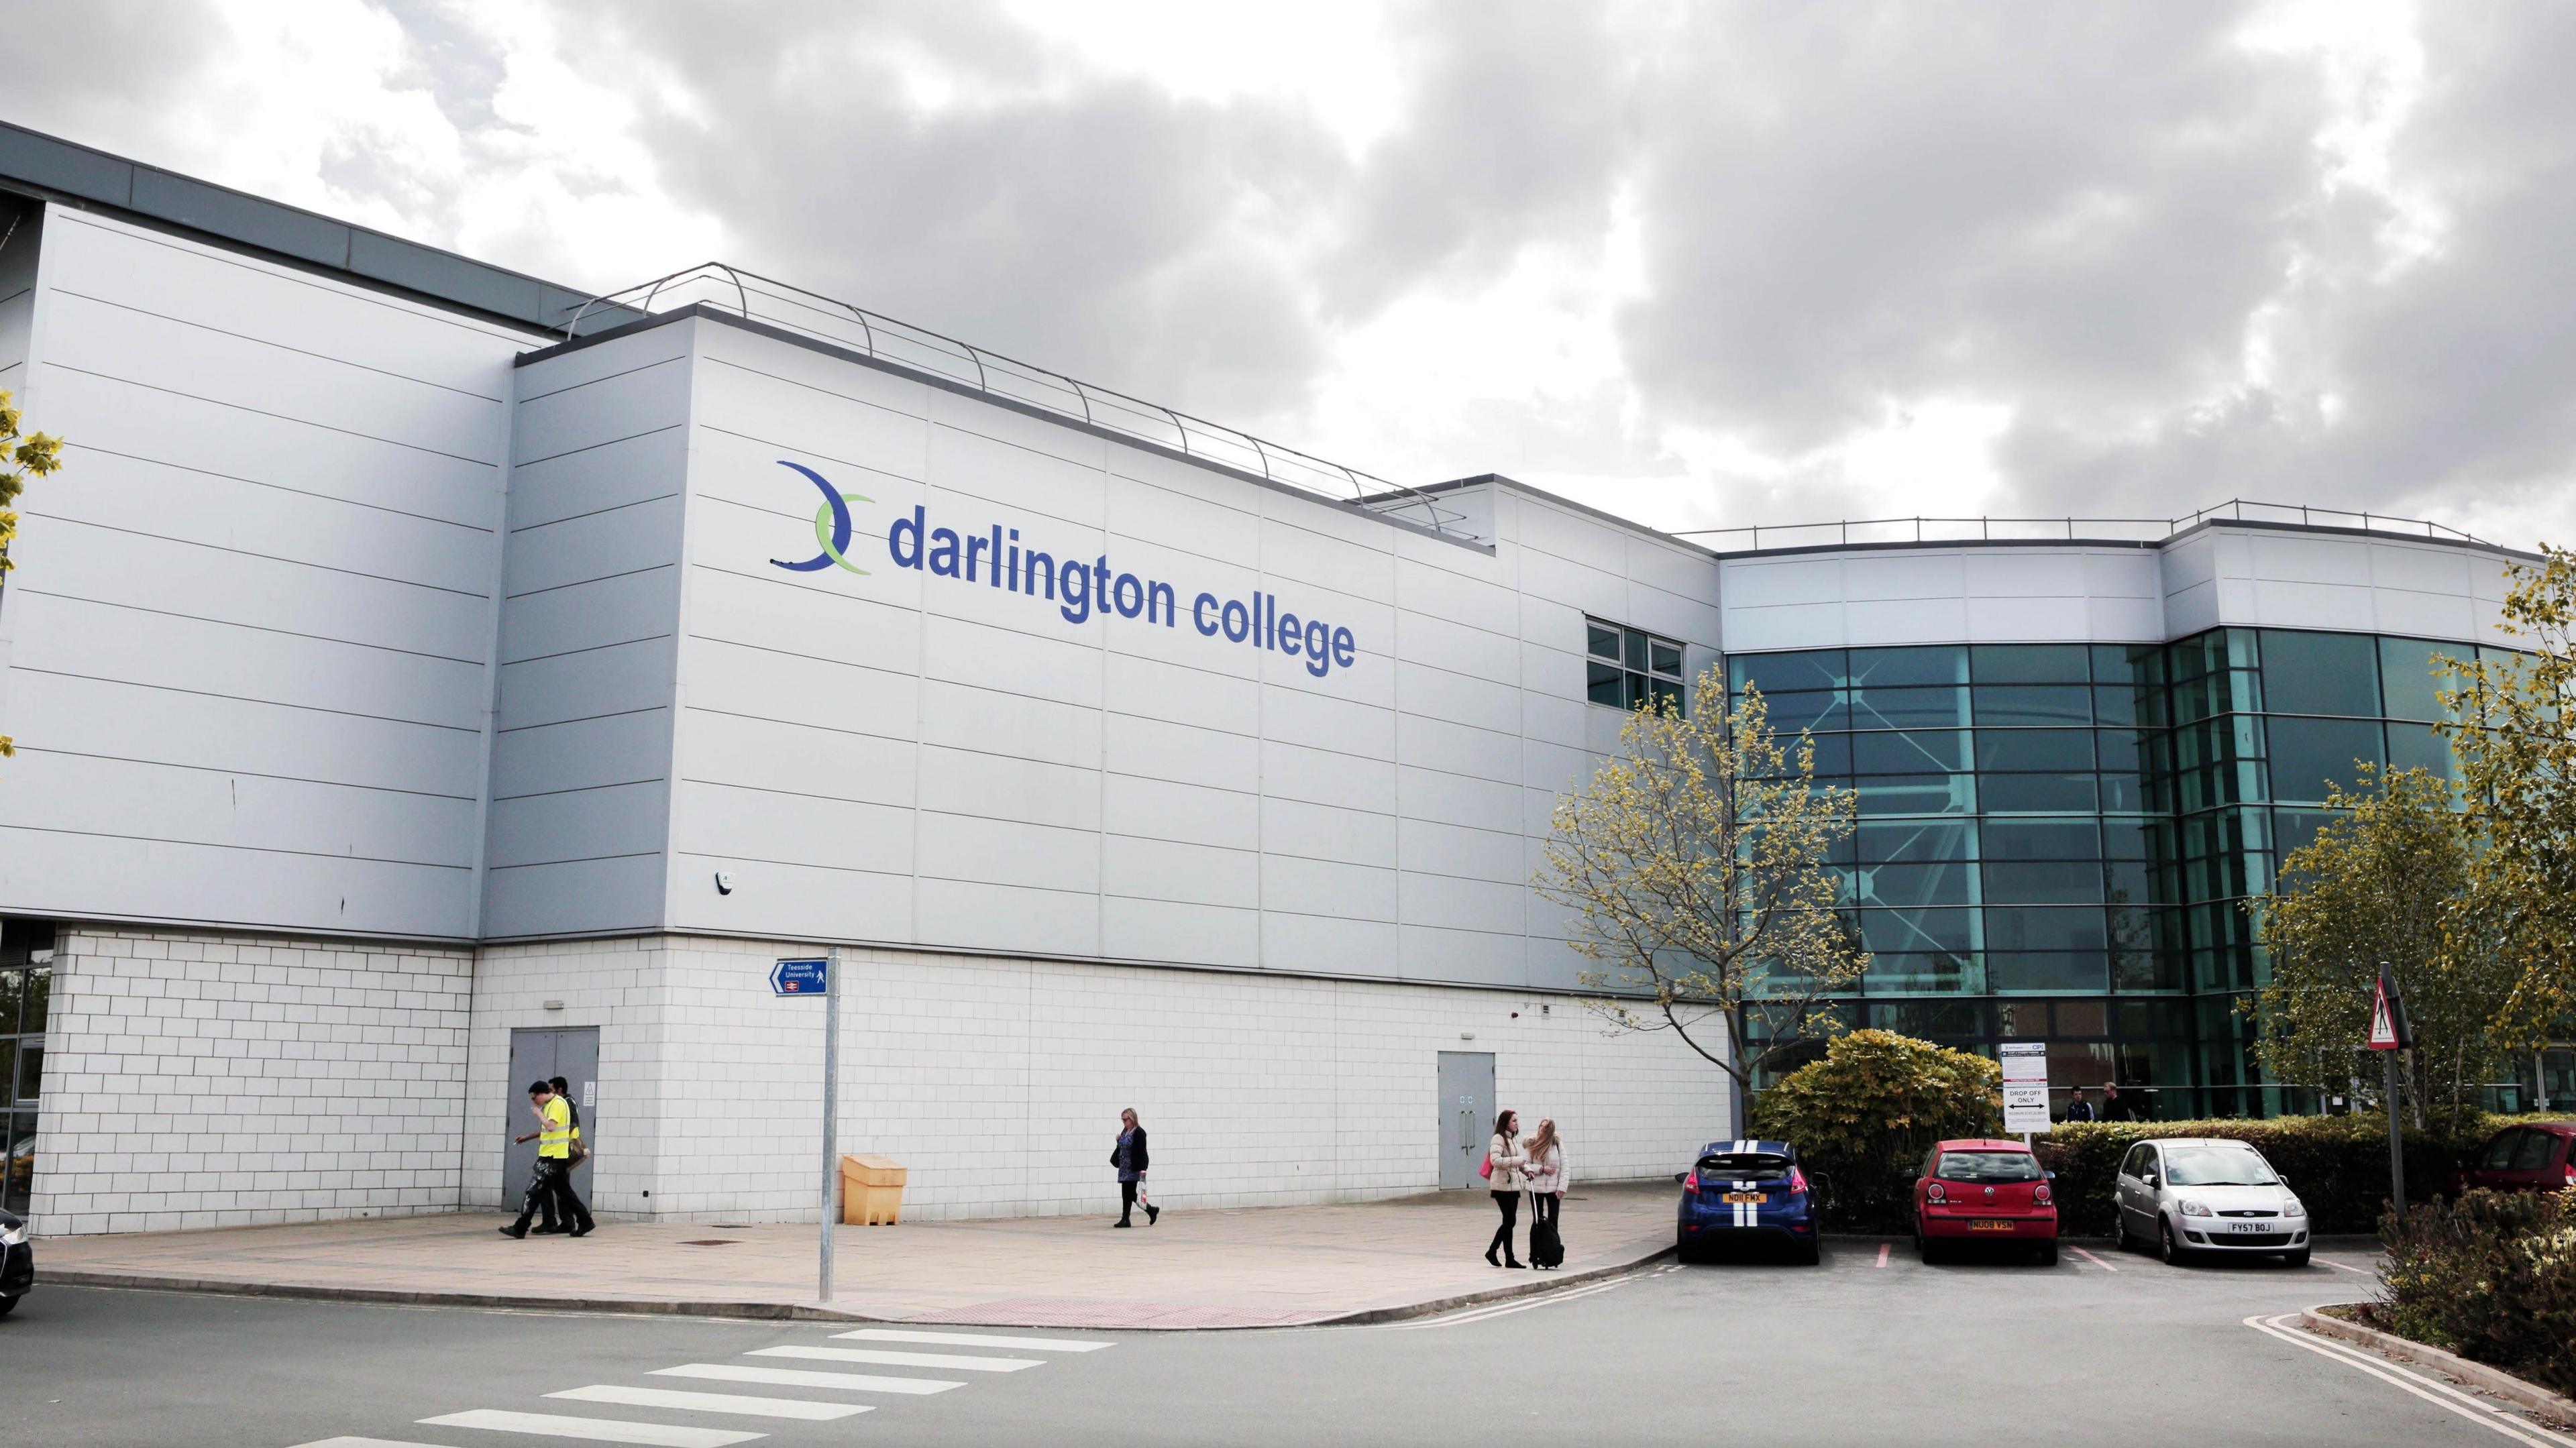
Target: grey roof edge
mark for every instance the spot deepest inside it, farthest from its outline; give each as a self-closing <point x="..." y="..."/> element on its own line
<point x="48" y="168"/>
<point x="704" y="312"/>
<point x="2465" y="545"/>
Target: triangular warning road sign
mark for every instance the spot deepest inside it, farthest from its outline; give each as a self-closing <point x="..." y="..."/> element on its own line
<point x="2383" y="1027"/>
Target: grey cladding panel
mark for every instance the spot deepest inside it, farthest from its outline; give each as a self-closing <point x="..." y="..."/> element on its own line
<point x="65" y="167"/>
<point x="442" y="274"/>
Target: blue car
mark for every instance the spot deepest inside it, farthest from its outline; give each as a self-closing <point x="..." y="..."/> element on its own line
<point x="1748" y="1191"/>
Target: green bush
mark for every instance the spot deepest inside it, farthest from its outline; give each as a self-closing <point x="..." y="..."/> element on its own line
<point x="2338" y="1165"/>
<point x="1863" y="1117"/>
<point x="2492" y="1277"/>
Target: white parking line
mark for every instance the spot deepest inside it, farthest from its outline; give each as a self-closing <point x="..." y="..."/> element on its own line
<point x="1885" y="1248"/>
<point x="744" y="1404"/>
<point x="804" y="1378"/>
<point x="900" y="1359"/>
<point x="2089" y="1257"/>
<point x="2440" y="1395"/>
<point x="594" y="1430"/>
<point x="2344" y="1266"/>
<point x="963" y="1339"/>
<point x="1506" y="1309"/>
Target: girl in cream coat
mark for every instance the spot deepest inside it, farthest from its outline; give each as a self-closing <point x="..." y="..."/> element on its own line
<point x="1506" y="1183"/>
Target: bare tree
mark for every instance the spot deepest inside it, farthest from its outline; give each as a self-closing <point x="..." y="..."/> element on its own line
<point x="1698" y="865"/>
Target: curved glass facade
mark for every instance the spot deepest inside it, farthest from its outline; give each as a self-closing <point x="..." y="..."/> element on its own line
<point x="2055" y="840"/>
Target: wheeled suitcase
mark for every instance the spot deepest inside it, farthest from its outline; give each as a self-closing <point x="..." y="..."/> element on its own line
<point x="1546" y="1248"/>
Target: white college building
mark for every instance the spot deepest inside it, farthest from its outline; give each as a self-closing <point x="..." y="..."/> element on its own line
<point x="410" y="700"/>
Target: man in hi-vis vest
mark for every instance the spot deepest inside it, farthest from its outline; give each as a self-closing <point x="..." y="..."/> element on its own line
<point x="553" y="1179"/>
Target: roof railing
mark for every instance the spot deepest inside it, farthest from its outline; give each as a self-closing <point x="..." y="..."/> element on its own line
<point x="871" y="334"/>
<point x="1851" y="531"/>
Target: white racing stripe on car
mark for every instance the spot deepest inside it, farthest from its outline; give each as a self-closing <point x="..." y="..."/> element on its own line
<point x="2440" y="1395"/>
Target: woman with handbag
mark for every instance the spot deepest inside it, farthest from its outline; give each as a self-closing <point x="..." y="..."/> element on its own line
<point x="1502" y="1170"/>
<point x="1130" y="1158"/>
<point x="1545" y="1175"/>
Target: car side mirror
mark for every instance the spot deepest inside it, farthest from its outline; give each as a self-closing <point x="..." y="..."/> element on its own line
<point x="2149" y="1179"/>
<point x="2049" y="1175"/>
<point x="1681" y="1176"/>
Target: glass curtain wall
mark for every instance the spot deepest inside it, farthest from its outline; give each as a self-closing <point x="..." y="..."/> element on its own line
<point x="26" y="981"/>
<point x="2055" y="842"/>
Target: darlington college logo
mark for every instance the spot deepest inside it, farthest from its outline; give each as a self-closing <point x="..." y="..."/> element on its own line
<point x="831" y="526"/>
<point x="993" y="555"/>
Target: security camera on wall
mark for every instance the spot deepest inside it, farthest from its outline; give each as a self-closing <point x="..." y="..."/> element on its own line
<point x="724" y="882"/>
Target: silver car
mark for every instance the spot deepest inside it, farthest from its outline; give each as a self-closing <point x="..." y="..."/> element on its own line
<point x="2190" y="1196"/>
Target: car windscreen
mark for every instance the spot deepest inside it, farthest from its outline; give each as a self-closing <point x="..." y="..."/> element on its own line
<point x="2217" y="1166"/>
<point x="1744" y="1166"/>
<point x="1988" y="1166"/>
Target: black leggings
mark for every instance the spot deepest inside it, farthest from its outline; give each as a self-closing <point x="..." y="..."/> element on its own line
<point x="1510" y="1203"/>
<point x="1127" y="1199"/>
<point x="1545" y="1207"/>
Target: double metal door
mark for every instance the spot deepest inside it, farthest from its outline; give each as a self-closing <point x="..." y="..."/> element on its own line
<point x="539" y="1054"/>
<point x="1466" y="1116"/>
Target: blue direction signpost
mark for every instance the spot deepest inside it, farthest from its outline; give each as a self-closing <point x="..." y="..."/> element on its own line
<point x="801" y="977"/>
<point x="822" y="977"/>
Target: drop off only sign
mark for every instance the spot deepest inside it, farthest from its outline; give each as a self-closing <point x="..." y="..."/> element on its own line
<point x="2025" y="1086"/>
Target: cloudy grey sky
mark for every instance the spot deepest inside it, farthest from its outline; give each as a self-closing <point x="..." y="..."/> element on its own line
<point x="1698" y="263"/>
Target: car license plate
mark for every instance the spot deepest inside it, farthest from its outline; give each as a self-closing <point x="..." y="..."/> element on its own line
<point x="2249" y="1226"/>
<point x="1989" y="1224"/>
<point x="1733" y="1197"/>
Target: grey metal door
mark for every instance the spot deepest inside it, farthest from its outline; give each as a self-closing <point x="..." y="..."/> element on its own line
<point x="541" y="1053"/>
<point x="1466" y="1115"/>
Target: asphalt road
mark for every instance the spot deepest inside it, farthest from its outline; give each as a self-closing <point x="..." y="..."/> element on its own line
<point x="1851" y="1352"/>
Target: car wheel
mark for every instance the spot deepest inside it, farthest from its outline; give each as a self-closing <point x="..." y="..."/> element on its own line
<point x="7" y="1305"/>
<point x="2128" y="1239"/>
<point x="1681" y="1249"/>
<point x="1810" y="1253"/>
<point x="2047" y="1255"/>
<point x="2295" y="1259"/>
<point x="2168" y="1246"/>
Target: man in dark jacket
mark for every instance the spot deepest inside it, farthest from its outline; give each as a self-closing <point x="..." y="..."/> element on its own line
<point x="2081" y="1108"/>
<point x="2113" y="1108"/>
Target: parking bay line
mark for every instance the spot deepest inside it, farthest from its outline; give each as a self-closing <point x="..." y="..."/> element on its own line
<point x="1506" y="1309"/>
<point x="804" y="1378"/>
<point x="1885" y="1248"/>
<point x="2089" y="1257"/>
<point x="2441" y="1395"/>
<point x="963" y="1339"/>
<point x="595" y="1430"/>
<point x="900" y="1359"/>
<point x="744" y="1404"/>
<point x="2344" y="1266"/>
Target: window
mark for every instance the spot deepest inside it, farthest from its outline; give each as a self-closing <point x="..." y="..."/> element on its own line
<point x="25" y="980"/>
<point x="1630" y="668"/>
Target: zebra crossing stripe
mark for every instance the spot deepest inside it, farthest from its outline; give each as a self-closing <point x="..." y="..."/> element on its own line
<point x="593" y="1430"/>
<point x="962" y="1339"/>
<point x="752" y="1407"/>
<point x="899" y="1359"/>
<point x="804" y="1378"/>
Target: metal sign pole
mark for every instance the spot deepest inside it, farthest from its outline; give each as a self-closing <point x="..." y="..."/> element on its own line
<point x="831" y="1116"/>
<point x="2389" y="1035"/>
<point x="2396" y="1142"/>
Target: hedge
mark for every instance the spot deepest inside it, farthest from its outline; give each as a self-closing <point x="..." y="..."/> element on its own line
<point x="2338" y="1165"/>
<point x="2492" y="1277"/>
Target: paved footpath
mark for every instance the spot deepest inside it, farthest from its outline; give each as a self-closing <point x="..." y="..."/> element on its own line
<point x="1240" y="1267"/>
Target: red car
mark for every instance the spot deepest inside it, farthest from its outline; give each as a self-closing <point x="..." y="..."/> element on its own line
<point x="1984" y="1191"/>
<point x="2520" y="1159"/>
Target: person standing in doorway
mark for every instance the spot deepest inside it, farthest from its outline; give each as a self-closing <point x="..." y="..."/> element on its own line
<point x="1131" y="1159"/>
<point x="1545" y="1175"/>
<point x="1503" y="1162"/>
<point x="553" y="1137"/>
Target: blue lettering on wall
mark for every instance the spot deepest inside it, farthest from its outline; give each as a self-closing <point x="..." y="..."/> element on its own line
<point x="995" y="556"/>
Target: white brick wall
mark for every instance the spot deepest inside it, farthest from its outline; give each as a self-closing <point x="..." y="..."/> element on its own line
<point x="204" y="1080"/>
<point x="998" y="1081"/>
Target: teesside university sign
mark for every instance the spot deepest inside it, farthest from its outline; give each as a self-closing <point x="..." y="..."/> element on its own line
<point x="996" y="559"/>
